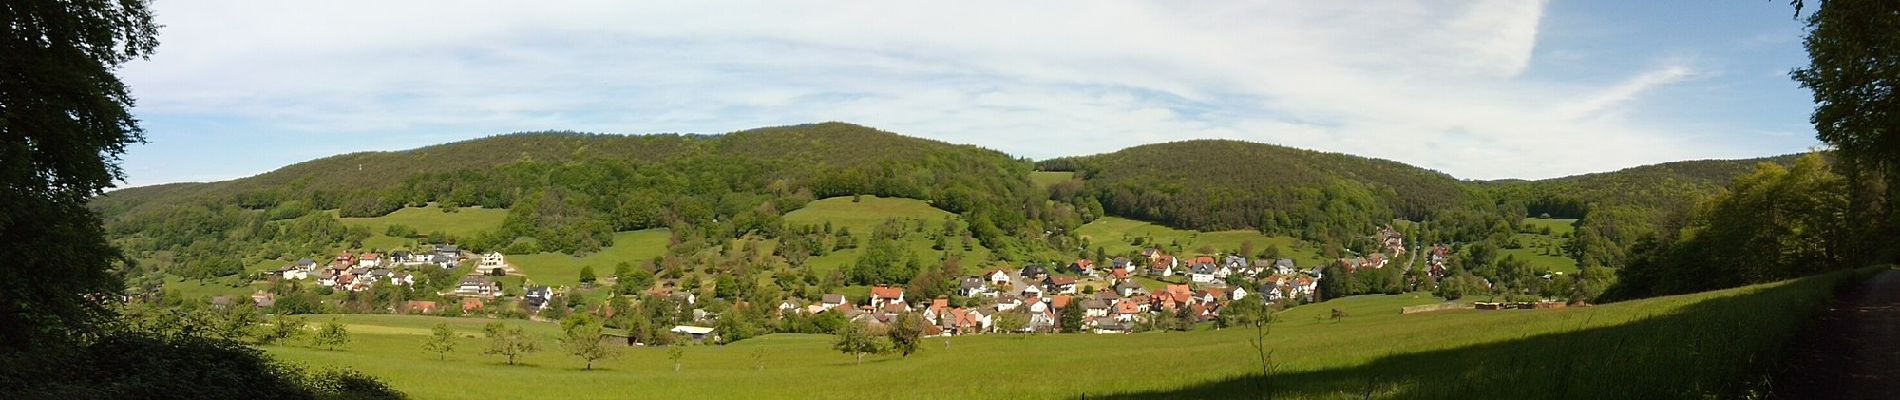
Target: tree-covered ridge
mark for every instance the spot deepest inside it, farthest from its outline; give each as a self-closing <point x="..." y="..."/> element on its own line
<point x="1649" y="186"/>
<point x="1222" y="184"/>
<point x="569" y="191"/>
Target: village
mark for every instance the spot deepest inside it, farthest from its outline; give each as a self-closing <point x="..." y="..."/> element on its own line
<point x="1124" y="294"/>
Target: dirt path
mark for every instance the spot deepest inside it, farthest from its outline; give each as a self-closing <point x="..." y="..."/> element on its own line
<point x="1853" y="350"/>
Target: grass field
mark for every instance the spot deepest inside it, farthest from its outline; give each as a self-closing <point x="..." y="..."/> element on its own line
<point x="1116" y="235"/>
<point x="464" y="222"/>
<point x="1046" y="179"/>
<point x="1546" y="251"/>
<point x="1669" y="347"/>
<point x="561" y="269"/>
<point x="863" y="215"/>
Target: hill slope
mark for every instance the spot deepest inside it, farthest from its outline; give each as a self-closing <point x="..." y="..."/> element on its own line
<point x="1219" y="184"/>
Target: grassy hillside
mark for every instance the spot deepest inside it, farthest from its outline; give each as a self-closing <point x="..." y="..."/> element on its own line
<point x="565" y="270"/>
<point x="1709" y="344"/>
<point x="864" y="213"/>
<point x="1545" y="251"/>
<point x="1117" y="236"/>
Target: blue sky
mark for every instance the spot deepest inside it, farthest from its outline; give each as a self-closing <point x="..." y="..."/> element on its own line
<point x="1477" y="89"/>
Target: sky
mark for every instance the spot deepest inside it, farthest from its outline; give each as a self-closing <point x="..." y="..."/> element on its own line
<point x="1477" y="89"/>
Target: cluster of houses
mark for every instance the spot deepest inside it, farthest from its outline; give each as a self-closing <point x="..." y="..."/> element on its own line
<point x="358" y="272"/>
<point x="1042" y="295"/>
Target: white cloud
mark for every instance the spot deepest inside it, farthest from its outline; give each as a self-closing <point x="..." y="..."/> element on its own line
<point x="1435" y="83"/>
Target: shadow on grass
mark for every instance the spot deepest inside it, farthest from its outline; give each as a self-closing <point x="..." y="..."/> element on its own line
<point x="1719" y="347"/>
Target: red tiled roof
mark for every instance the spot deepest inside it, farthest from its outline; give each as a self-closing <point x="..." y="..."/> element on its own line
<point x="887" y="292"/>
<point x="1060" y="301"/>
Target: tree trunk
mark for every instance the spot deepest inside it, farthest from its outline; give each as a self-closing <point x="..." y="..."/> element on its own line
<point x="860" y="358"/>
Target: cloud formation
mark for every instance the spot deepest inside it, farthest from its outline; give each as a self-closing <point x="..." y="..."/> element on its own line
<point x="1440" y="84"/>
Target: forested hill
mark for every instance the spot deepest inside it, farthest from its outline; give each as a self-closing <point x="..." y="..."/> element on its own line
<point x="1222" y="184"/>
<point x="570" y="190"/>
<point x="1649" y="186"/>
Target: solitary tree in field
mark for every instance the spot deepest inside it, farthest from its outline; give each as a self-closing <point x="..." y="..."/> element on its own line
<point x="332" y="335"/>
<point x="856" y="339"/>
<point x="907" y="333"/>
<point x="442" y="341"/>
<point x="508" y="342"/>
<point x="583" y="339"/>
<point x="675" y="353"/>
<point x="284" y="328"/>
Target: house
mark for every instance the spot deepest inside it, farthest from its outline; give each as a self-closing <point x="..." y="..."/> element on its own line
<point x="306" y="264"/>
<point x="326" y="277"/>
<point x="1121" y="264"/>
<point x="492" y="262"/>
<point x="1035" y="272"/>
<point x="1202" y="273"/>
<point x="1060" y="284"/>
<point x="1238" y="293"/>
<point x="1128" y="288"/>
<point x="1128" y="310"/>
<point x="1082" y="266"/>
<point x="1033" y="291"/>
<point x="448" y="250"/>
<point x="1007" y="302"/>
<point x="1284" y="266"/>
<point x="834" y="300"/>
<point x="1159" y="269"/>
<point x="1118" y="275"/>
<point x="998" y="277"/>
<point x="472" y="304"/>
<point x="1094" y="308"/>
<point x="263" y="299"/>
<point x="419" y="307"/>
<point x="371" y="260"/>
<point x="536" y="298"/>
<point x="697" y="333"/>
<point x="882" y="296"/>
<point x="972" y="286"/>
<point x="292" y="272"/>
<point x="787" y="307"/>
<point x="478" y="286"/>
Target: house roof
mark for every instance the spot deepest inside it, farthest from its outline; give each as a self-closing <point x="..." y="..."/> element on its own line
<point x="1083" y="262"/>
<point x="1060" y="301"/>
<point x="475" y="280"/>
<point x="1061" y="280"/>
<point x="1094" y="304"/>
<point x="692" y="330"/>
<point x="887" y="292"/>
<point x="834" y="299"/>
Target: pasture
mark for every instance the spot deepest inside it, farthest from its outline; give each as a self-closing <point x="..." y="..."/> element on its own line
<point x="1117" y="236"/>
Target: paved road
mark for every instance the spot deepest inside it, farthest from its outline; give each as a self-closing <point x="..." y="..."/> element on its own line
<point x="1853" y="350"/>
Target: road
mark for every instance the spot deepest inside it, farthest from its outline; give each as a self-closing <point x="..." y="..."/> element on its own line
<point x="1853" y="350"/>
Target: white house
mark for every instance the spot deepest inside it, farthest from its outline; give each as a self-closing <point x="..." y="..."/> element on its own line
<point x="491" y="262"/>
<point x="998" y="277"/>
<point x="834" y="300"/>
<point x="477" y="286"/>
<point x="1202" y="273"/>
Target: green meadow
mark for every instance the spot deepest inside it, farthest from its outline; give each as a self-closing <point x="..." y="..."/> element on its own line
<point x="463" y="222"/>
<point x="1117" y="236"/>
<point x="1046" y="179"/>
<point x="864" y="215"/>
<point x="1712" y="344"/>
<point x="1546" y="251"/>
<point x="561" y="269"/>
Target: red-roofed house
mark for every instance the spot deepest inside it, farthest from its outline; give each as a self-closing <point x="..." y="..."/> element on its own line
<point x="881" y="295"/>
